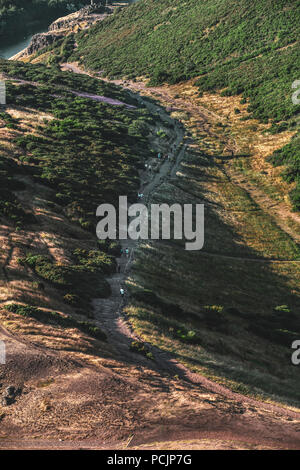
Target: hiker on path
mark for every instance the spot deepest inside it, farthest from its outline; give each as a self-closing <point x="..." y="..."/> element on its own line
<point x="127" y="252"/>
<point x="122" y="292"/>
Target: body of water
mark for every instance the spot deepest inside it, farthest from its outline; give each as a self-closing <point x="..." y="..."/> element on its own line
<point x="16" y="45"/>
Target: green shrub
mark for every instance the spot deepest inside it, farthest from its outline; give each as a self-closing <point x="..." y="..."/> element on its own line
<point x="85" y="280"/>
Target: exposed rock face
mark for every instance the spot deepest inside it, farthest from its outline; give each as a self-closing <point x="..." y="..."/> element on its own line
<point x="80" y="20"/>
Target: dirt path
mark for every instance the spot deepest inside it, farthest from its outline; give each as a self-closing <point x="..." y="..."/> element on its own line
<point x="279" y="211"/>
<point x="109" y="312"/>
<point x="161" y="399"/>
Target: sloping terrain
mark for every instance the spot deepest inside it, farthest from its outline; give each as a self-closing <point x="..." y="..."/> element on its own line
<point x="107" y="395"/>
<point x="17" y="16"/>
<point x="246" y="49"/>
<point x="199" y="353"/>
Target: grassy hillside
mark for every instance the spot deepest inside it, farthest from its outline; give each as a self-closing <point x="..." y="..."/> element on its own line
<point x="239" y="47"/>
<point x="229" y="43"/>
<point x="62" y="155"/>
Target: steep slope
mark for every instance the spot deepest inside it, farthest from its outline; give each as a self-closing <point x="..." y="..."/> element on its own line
<point x="68" y="144"/>
<point x="249" y="49"/>
<point x="221" y="49"/>
<point x="229" y="312"/>
<point x="72" y="389"/>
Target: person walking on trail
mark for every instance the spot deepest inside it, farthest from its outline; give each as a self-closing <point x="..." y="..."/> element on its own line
<point x="121" y="252"/>
<point x="159" y="156"/>
<point x="127" y="252"/>
<point x="122" y="292"/>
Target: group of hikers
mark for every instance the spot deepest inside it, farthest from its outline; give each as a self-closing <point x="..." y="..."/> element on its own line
<point x="140" y="195"/>
<point x="161" y="156"/>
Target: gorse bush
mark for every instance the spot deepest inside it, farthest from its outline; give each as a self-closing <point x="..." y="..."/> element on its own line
<point x="85" y="280"/>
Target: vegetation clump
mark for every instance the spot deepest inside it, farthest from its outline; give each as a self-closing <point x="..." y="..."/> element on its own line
<point x="85" y="281"/>
<point x="140" y="348"/>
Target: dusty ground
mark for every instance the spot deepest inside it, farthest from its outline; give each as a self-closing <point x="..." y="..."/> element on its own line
<point x="112" y="398"/>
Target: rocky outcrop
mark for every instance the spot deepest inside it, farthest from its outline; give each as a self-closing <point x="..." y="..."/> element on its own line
<point x="77" y="21"/>
<point x="41" y="40"/>
<point x="81" y="19"/>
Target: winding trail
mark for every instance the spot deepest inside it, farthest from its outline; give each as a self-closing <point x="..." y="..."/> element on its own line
<point x="230" y="416"/>
<point x="109" y="312"/>
<point x="110" y="315"/>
